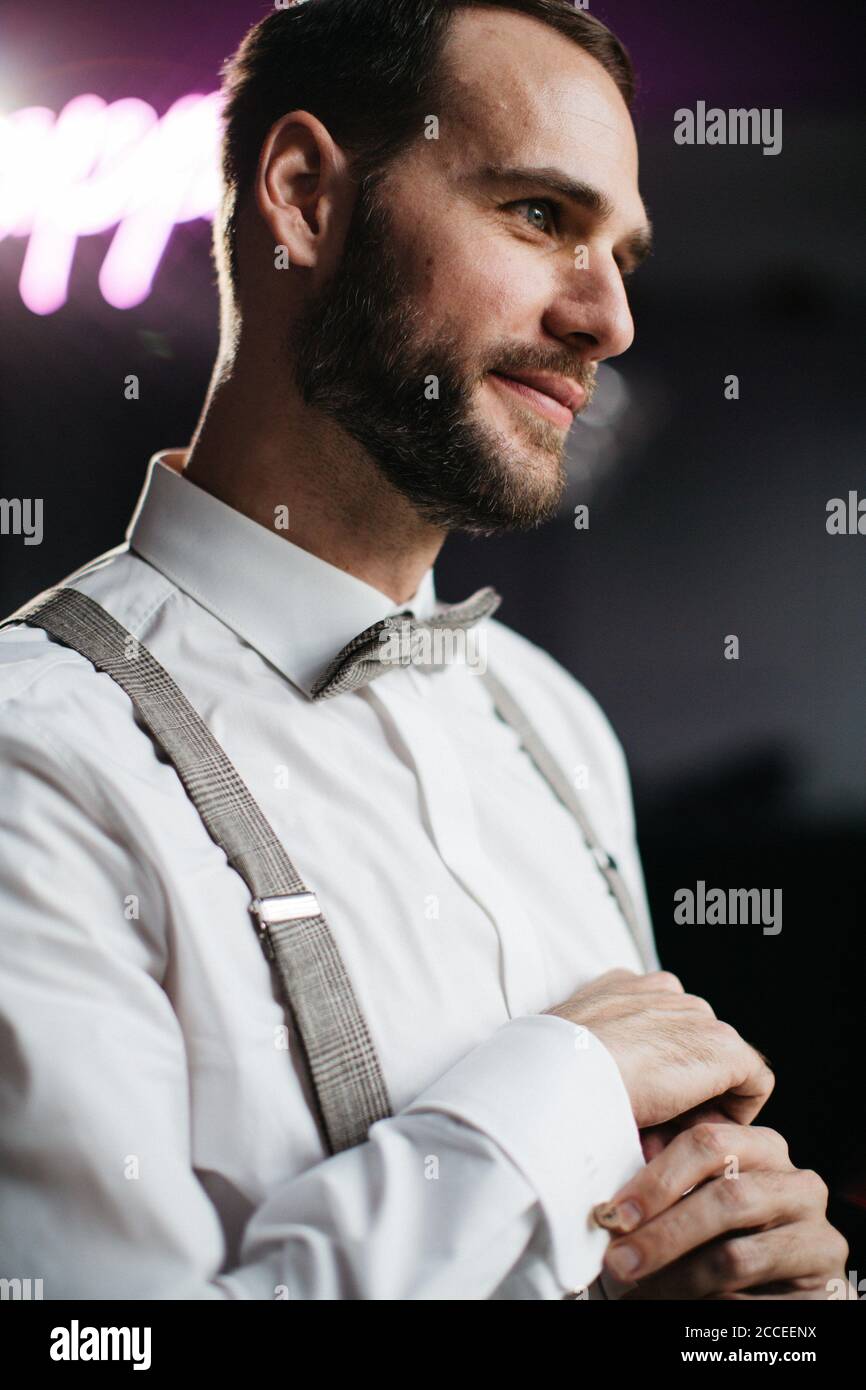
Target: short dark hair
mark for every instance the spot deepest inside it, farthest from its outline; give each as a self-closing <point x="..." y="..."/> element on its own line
<point x="370" y="71"/>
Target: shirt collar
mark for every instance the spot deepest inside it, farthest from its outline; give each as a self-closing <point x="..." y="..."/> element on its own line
<point x="297" y="610"/>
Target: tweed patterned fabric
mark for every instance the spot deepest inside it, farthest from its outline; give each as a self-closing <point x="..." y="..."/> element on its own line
<point x="401" y="639"/>
<point x="347" y="1080"/>
<point x="317" y="993"/>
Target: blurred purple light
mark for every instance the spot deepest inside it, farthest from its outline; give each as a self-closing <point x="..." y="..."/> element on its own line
<point x="97" y="166"/>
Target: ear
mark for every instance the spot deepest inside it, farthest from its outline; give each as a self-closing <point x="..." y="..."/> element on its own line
<point x="298" y="178"/>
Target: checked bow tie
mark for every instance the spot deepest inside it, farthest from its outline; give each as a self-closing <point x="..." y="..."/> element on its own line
<point x="402" y="639"/>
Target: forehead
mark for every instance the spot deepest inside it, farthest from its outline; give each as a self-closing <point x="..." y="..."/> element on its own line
<point x="523" y="93"/>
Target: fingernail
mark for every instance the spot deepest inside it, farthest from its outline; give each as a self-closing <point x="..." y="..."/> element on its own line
<point x="622" y="1259"/>
<point x="629" y="1215"/>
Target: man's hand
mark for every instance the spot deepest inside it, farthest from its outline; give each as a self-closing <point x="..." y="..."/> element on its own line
<point x="671" y="1050"/>
<point x="761" y="1221"/>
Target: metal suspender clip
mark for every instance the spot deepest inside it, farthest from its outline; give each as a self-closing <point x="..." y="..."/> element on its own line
<point x="602" y="858"/>
<point x="291" y="907"/>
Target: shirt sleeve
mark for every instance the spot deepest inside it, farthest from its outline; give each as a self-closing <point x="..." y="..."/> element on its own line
<point x="574" y="1138"/>
<point x="504" y="1154"/>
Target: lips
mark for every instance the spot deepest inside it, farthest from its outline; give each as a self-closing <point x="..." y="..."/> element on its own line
<point x="557" y="397"/>
<point x="560" y="388"/>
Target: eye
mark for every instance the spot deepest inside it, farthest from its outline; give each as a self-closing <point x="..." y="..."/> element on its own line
<point x="551" y="212"/>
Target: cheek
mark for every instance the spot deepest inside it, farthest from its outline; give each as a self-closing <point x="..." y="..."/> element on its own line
<point x="473" y="280"/>
<point x="484" y="292"/>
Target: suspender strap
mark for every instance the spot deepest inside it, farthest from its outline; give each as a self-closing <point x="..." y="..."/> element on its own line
<point x="550" y="769"/>
<point x="513" y="714"/>
<point x="348" y="1086"/>
<point x="347" y="1079"/>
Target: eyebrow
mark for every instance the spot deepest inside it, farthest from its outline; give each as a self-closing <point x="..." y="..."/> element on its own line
<point x="584" y="195"/>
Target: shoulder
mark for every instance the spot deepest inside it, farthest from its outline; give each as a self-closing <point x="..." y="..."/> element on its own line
<point x="54" y="705"/>
<point x="121" y="582"/>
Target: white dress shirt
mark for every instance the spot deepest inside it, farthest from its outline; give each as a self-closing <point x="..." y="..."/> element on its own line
<point x="156" y="1136"/>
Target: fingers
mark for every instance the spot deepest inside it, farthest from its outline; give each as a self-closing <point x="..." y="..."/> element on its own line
<point x="805" y="1253"/>
<point x="691" y="1157"/>
<point x="652" y="1141"/>
<point x="753" y="1199"/>
<point x="708" y="1112"/>
<point x="754" y="1080"/>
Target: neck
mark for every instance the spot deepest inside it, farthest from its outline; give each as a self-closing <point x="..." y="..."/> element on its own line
<point x="260" y="449"/>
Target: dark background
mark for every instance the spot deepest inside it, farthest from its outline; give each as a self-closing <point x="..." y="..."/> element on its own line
<point x="707" y="516"/>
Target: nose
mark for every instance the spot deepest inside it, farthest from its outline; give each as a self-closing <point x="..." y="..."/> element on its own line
<point x="590" y="309"/>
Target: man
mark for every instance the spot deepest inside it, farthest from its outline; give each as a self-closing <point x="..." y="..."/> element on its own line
<point x="407" y="333"/>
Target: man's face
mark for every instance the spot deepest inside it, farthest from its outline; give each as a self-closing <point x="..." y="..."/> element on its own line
<point x="457" y="274"/>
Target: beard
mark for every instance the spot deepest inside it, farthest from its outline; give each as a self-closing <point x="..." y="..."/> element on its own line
<point x="361" y="357"/>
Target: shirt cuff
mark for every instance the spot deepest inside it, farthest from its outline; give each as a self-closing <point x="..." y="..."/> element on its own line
<point x="551" y="1096"/>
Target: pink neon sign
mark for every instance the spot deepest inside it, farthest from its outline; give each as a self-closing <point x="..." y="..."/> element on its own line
<point x="96" y="166"/>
